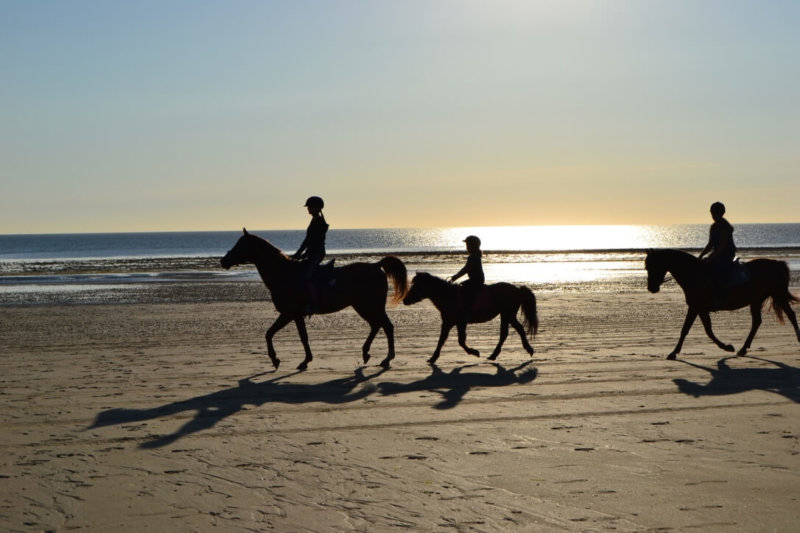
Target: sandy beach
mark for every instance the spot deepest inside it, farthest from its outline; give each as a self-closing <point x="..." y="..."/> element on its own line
<point x="169" y="417"/>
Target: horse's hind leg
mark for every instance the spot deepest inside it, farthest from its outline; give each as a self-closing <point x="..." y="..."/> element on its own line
<point x="388" y="329"/>
<point x="706" y="320"/>
<point x="521" y="330"/>
<point x="503" y="337"/>
<point x="787" y="309"/>
<point x="755" y="314"/>
<point x="301" y="329"/>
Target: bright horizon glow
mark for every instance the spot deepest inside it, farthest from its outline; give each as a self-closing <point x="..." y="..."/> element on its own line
<point x="193" y="116"/>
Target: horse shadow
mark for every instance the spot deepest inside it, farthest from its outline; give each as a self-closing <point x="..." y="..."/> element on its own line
<point x="454" y="385"/>
<point x="211" y="409"/>
<point x="783" y="380"/>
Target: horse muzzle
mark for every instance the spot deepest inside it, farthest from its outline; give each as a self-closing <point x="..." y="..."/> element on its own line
<point x="226" y="263"/>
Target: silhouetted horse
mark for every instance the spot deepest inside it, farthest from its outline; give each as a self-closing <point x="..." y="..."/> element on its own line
<point x="502" y="299"/>
<point x="767" y="279"/>
<point x="361" y="285"/>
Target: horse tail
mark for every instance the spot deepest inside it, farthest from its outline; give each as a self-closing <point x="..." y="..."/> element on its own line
<point x="396" y="271"/>
<point x="783" y="294"/>
<point x="529" y="317"/>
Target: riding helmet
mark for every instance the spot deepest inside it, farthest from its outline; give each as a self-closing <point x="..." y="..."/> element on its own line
<point x="472" y="240"/>
<point x="315" y="202"/>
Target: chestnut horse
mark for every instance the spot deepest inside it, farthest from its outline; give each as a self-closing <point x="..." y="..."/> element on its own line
<point x="767" y="278"/>
<point x="361" y="285"/>
<point x="502" y="299"/>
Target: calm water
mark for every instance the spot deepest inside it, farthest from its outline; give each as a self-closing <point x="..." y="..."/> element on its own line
<point x="93" y="268"/>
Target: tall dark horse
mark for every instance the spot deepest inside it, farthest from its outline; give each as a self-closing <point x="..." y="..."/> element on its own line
<point x="767" y="278"/>
<point x="502" y="299"/>
<point x="362" y="285"/>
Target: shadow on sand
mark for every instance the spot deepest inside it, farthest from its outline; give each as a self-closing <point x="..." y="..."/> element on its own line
<point x="210" y="409"/>
<point x="783" y="380"/>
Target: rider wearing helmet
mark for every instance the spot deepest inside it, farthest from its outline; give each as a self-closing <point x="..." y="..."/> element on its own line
<point x="720" y="248"/>
<point x="312" y="249"/>
<point x="473" y="269"/>
<point x="721" y="252"/>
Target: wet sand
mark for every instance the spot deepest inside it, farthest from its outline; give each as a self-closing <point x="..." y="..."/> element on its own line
<point x="169" y="417"/>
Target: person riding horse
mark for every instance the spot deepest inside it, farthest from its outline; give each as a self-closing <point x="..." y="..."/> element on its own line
<point x="312" y="250"/>
<point x="721" y="250"/>
<point x="474" y="271"/>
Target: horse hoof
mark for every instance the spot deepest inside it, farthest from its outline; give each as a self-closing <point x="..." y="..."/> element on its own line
<point x="365" y="356"/>
<point x="302" y="366"/>
<point x="742" y="352"/>
<point x="476" y="353"/>
<point x="385" y="364"/>
<point x="276" y="363"/>
<point x="729" y="348"/>
<point x="672" y="356"/>
<point x="492" y="357"/>
<point x="529" y="350"/>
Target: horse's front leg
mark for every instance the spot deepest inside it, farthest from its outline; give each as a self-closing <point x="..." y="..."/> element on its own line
<point x="705" y="318"/>
<point x="461" y="327"/>
<point x="691" y="314"/>
<point x="503" y="337"/>
<point x="276" y="326"/>
<point x="755" y="315"/>
<point x="300" y="322"/>
<point x="443" y="334"/>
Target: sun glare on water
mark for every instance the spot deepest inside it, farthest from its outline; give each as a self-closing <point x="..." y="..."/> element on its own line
<point x="560" y="238"/>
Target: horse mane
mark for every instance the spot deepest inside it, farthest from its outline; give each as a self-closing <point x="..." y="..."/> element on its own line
<point x="264" y="243"/>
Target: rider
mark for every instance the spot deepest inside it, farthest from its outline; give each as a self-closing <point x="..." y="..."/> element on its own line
<point x="312" y="249"/>
<point x="720" y="248"/>
<point x="473" y="269"/>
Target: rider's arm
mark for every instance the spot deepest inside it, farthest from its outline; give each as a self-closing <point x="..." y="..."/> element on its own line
<point x="460" y="272"/>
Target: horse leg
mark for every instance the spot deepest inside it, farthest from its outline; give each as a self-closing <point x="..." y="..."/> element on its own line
<point x="373" y="332"/>
<point x="705" y="318"/>
<point x="503" y="337"/>
<point x="787" y="308"/>
<point x="276" y="326"/>
<point x="755" y="314"/>
<point x="521" y="330"/>
<point x="691" y="314"/>
<point x="461" y="327"/>
<point x="301" y="329"/>
<point x="443" y="333"/>
<point x="388" y="329"/>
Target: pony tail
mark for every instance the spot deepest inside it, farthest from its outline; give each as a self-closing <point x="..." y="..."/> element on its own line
<point x="396" y="271"/>
<point x="530" y="318"/>
<point x="788" y="298"/>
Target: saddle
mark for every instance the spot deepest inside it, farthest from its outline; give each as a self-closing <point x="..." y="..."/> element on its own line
<point x="480" y="300"/>
<point x="323" y="279"/>
<point x="728" y="280"/>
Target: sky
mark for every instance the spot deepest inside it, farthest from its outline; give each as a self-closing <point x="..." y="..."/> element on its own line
<point x="212" y="115"/>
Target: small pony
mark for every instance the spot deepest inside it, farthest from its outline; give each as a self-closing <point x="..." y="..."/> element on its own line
<point x="502" y="299"/>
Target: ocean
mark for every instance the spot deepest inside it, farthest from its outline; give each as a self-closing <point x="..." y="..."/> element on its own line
<point x="184" y="266"/>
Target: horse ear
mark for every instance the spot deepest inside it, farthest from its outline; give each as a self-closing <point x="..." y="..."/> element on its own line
<point x="245" y="231"/>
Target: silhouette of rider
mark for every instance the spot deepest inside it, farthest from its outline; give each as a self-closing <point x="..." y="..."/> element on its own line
<point x="312" y="249"/>
<point x="720" y="248"/>
<point x="474" y="271"/>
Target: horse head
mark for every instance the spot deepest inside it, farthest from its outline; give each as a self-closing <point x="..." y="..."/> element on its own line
<point x="421" y="287"/>
<point x="656" y="270"/>
<point x="242" y="252"/>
